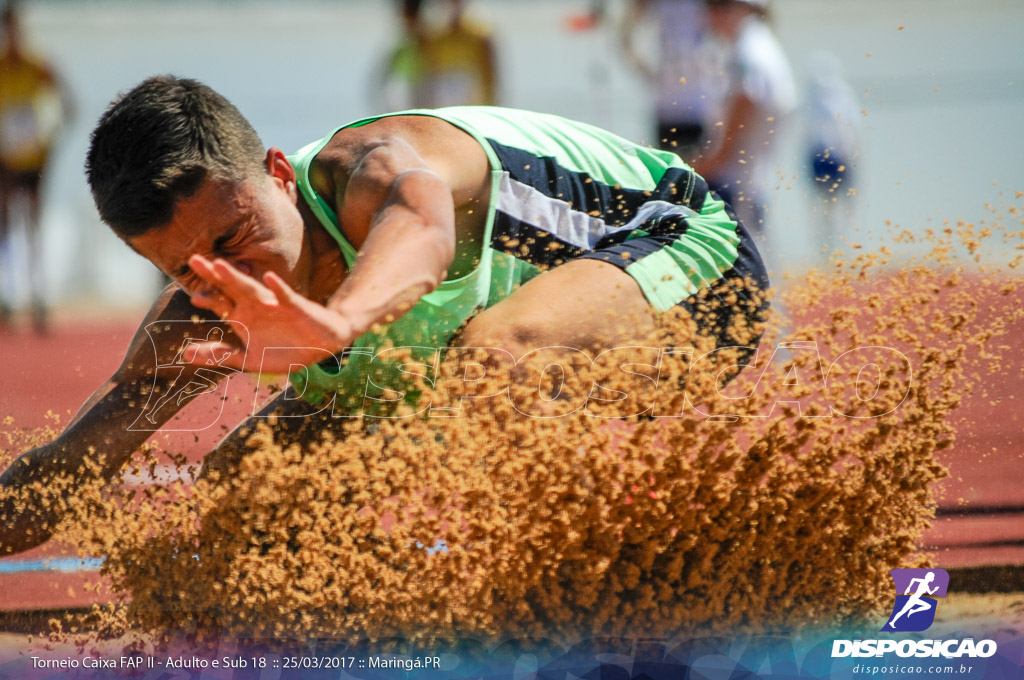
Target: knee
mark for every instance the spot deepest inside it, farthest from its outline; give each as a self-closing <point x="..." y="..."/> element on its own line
<point x="487" y="330"/>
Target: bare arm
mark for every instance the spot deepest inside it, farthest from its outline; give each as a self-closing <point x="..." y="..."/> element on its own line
<point x="100" y="427"/>
<point x="402" y="216"/>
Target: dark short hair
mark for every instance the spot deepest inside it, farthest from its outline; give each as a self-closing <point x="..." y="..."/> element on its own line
<point x="157" y="144"/>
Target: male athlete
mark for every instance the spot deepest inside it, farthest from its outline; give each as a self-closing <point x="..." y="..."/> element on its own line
<point x="516" y="230"/>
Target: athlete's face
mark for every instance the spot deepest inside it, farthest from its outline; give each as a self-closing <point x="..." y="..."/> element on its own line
<point x="255" y="225"/>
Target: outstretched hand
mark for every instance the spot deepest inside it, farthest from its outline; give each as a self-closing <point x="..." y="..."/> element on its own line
<point x="270" y="314"/>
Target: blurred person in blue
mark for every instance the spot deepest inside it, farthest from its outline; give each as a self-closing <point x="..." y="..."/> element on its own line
<point x="682" y="73"/>
<point x="832" y="142"/>
<point x="33" y="107"/>
<point x="760" y="95"/>
<point x="443" y="58"/>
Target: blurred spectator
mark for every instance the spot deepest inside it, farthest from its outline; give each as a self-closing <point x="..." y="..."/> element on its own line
<point x="402" y="70"/>
<point x="761" y="93"/>
<point x="683" y="71"/>
<point x="33" y="107"/>
<point x="832" y="139"/>
<point x="449" y="65"/>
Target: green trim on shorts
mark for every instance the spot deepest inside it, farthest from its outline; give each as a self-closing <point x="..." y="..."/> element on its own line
<point x="699" y="257"/>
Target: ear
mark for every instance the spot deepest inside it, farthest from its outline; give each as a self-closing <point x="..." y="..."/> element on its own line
<point x="281" y="172"/>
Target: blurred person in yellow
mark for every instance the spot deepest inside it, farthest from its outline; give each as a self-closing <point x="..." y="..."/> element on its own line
<point x="452" y="64"/>
<point x="33" y="107"/>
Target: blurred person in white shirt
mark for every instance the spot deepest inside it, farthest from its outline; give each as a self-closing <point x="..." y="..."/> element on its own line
<point x="761" y="94"/>
<point x="680" y="69"/>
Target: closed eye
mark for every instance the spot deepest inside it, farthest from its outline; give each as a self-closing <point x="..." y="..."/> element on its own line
<point x="230" y="240"/>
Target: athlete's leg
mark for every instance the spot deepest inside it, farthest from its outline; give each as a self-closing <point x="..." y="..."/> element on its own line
<point x="585" y="304"/>
<point x="608" y="298"/>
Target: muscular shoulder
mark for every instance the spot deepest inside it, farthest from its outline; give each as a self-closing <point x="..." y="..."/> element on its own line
<point x="377" y="152"/>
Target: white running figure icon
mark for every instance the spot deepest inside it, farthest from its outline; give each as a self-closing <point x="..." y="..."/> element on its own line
<point x="200" y="383"/>
<point x="915" y="604"/>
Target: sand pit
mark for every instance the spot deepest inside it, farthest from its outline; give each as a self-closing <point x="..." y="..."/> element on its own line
<point x="569" y="527"/>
